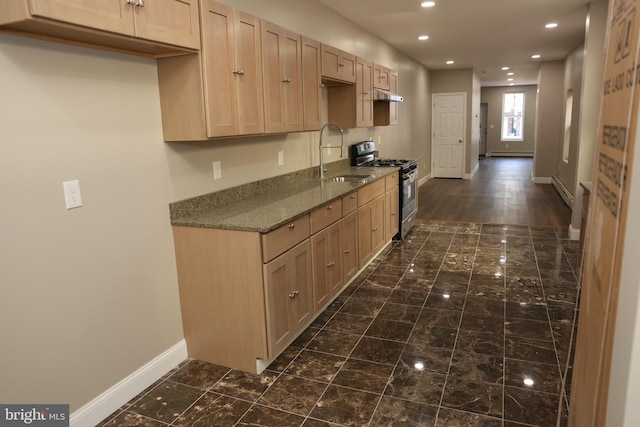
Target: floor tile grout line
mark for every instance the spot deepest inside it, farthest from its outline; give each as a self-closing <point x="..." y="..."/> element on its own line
<point x="409" y="336"/>
<point x="455" y="341"/>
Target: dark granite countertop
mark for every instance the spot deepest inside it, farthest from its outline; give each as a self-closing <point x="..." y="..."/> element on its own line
<point x="265" y="207"/>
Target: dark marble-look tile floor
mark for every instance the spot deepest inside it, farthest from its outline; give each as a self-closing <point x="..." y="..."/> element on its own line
<point x="461" y="324"/>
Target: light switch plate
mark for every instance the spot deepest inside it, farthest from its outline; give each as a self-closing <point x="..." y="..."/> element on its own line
<point x="280" y="158"/>
<point x="72" y="196"/>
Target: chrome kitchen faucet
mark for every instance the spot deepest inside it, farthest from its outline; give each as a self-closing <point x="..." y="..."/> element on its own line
<point x="322" y="169"/>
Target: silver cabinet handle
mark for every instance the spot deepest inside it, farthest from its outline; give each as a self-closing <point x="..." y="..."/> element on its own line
<point x="330" y="207"/>
<point x="341" y="64"/>
<point x="294" y="294"/>
<point x="347" y="251"/>
<point x="286" y="80"/>
<point x="131" y="2"/>
<point x="239" y="72"/>
<point x="375" y="229"/>
<point x="331" y="264"/>
<point x="141" y="3"/>
<point x="292" y="226"/>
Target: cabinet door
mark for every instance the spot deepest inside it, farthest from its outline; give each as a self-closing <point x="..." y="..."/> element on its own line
<point x="380" y="77"/>
<point x="392" y="207"/>
<point x="365" y="227"/>
<point x="336" y="261"/>
<point x="393" y="106"/>
<point x="377" y="230"/>
<point x="277" y="275"/>
<point x="168" y="21"/>
<point x="289" y="295"/>
<point x="109" y="15"/>
<point x="273" y="76"/>
<point x="350" y="246"/>
<point x="331" y="62"/>
<point x="301" y="286"/>
<point x="292" y="77"/>
<point x="248" y="73"/>
<point x="311" y="84"/>
<point x="364" y="93"/>
<point x="321" y="289"/>
<point x="218" y="55"/>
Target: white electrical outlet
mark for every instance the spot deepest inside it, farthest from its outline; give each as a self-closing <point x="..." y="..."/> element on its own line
<point x="506" y="145"/>
<point x="280" y="158"/>
<point x="217" y="170"/>
<point x="72" y="196"/>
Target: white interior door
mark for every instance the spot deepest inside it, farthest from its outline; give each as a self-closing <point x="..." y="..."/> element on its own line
<point x="448" y="145"/>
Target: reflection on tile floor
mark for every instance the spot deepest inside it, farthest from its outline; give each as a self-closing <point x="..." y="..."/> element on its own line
<point x="459" y="325"/>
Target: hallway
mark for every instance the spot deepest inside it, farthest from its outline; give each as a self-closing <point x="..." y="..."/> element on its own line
<point x="501" y="192"/>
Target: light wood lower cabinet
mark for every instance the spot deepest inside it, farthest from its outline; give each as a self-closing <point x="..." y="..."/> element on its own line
<point x="350" y="246"/>
<point x="245" y="295"/>
<point x="392" y="206"/>
<point x="289" y="295"/>
<point x="371" y="236"/>
<point x="327" y="264"/>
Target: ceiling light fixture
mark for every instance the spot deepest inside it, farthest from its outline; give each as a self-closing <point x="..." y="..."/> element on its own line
<point x="512" y="84"/>
<point x="423" y="37"/>
<point x="509" y="80"/>
<point x="428" y="4"/>
<point x="505" y="68"/>
<point x="536" y="56"/>
<point x="510" y="74"/>
<point x="551" y="25"/>
<point x="449" y="62"/>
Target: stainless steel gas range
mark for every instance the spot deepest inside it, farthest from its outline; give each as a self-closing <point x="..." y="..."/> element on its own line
<point x="364" y="154"/>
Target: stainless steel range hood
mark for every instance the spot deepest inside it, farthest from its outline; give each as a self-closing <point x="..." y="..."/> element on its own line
<point x="386" y="96"/>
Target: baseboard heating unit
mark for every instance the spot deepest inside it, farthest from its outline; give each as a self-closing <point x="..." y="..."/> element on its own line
<point x="562" y="191"/>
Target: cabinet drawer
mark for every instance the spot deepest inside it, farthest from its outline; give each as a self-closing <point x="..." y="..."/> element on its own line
<point x="391" y="181"/>
<point x="326" y="215"/>
<point x="370" y="192"/>
<point x="349" y="203"/>
<point x="279" y="240"/>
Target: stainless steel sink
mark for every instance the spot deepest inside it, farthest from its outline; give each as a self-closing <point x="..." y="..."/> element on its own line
<point x="346" y="178"/>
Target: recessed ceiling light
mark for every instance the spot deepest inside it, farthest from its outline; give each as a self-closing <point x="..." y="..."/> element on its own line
<point x="509" y="80"/>
<point x="449" y="62"/>
<point x="428" y="4"/>
<point x="423" y="37"/>
<point x="510" y="73"/>
<point x="551" y="25"/>
<point x="536" y="56"/>
<point x="512" y="84"/>
<point x="505" y="68"/>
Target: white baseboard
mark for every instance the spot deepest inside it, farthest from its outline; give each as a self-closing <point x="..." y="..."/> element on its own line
<point x="108" y="402"/>
<point x="424" y="179"/>
<point x="473" y="172"/>
<point x="508" y="154"/>
<point x="542" y="180"/>
<point x="574" y="233"/>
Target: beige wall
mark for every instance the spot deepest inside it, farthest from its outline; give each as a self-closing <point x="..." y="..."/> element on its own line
<point x="492" y="96"/>
<point x="549" y="118"/>
<point x="90" y="294"/>
<point x="566" y="171"/>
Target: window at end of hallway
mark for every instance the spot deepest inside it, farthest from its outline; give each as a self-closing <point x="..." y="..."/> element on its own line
<point x="512" y="116"/>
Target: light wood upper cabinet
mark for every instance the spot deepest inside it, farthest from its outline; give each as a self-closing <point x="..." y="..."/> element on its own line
<point x="386" y="113"/>
<point x="282" y="73"/>
<point x="311" y="83"/>
<point x="364" y="93"/>
<point x="217" y="92"/>
<point x="381" y="77"/>
<point x="151" y="23"/>
<point x="338" y="65"/>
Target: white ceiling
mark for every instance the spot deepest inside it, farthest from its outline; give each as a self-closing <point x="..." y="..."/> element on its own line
<point x="481" y="34"/>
